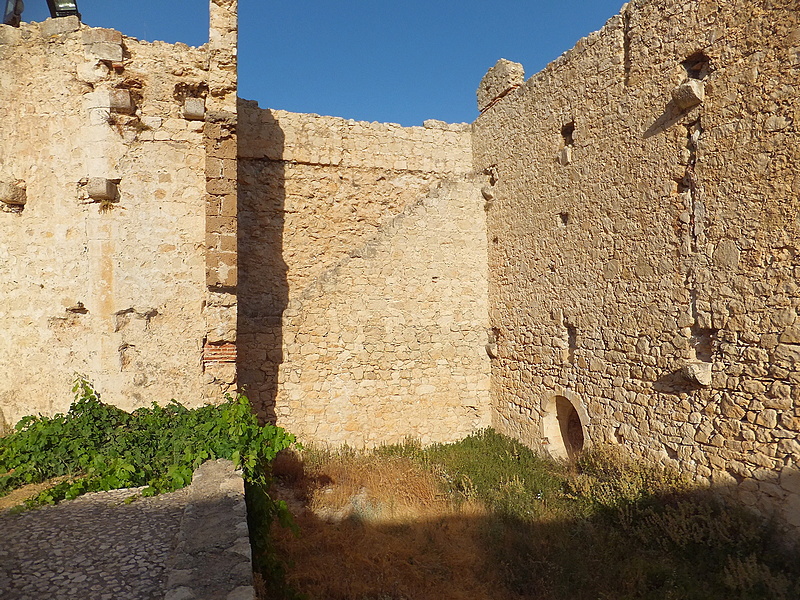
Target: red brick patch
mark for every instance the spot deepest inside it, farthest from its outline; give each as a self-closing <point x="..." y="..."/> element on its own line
<point x="219" y="352"/>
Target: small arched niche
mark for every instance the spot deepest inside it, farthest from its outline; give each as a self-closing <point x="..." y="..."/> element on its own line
<point x="564" y="427"/>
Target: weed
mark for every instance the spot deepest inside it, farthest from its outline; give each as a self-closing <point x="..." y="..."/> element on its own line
<point x="605" y="527"/>
<point x="100" y="447"/>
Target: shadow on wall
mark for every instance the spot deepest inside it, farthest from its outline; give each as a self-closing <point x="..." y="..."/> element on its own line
<point x="263" y="290"/>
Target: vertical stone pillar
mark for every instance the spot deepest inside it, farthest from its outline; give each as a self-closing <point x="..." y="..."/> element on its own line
<point x="219" y="351"/>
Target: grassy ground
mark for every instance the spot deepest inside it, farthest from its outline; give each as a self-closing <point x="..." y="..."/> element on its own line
<point x="486" y="518"/>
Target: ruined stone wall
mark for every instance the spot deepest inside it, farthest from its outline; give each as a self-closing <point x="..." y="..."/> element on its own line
<point x="102" y="228"/>
<point x="221" y="252"/>
<point x="339" y="252"/>
<point x="643" y="243"/>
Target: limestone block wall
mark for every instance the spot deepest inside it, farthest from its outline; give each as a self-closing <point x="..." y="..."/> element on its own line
<point x="221" y="208"/>
<point x="643" y="245"/>
<point x="391" y="342"/>
<point x="314" y="190"/>
<point x="102" y="267"/>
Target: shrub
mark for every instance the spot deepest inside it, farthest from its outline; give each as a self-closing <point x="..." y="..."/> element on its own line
<point x="100" y="447"/>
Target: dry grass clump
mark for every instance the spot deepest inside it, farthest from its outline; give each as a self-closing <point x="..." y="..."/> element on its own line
<point x="372" y="489"/>
<point x="486" y="518"/>
<point x="16" y="498"/>
<point x="377" y="527"/>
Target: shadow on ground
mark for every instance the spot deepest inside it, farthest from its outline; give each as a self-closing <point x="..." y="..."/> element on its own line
<point x="686" y="545"/>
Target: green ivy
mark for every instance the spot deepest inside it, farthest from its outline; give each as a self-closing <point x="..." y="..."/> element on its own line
<point x="99" y="447"/>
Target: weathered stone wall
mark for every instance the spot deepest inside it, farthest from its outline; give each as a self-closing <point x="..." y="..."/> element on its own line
<point x="344" y="250"/>
<point x="640" y="196"/>
<point x="102" y="267"/>
<point x="644" y="244"/>
<point x="221" y="147"/>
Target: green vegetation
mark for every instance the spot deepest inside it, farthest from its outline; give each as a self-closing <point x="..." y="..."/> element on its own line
<point x="605" y="527"/>
<point x="100" y="447"/>
<point x="96" y="447"/>
<point x="611" y="527"/>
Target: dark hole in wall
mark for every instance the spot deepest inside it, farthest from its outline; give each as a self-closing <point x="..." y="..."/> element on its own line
<point x="570" y="426"/>
<point x="697" y="65"/>
<point x="572" y="335"/>
<point x="184" y="90"/>
<point x="703" y="342"/>
<point x="618" y="435"/>
<point x="567" y="132"/>
<point x="563" y="218"/>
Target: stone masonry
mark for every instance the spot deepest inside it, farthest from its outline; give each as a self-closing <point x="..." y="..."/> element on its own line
<point x="103" y="265"/>
<point x="609" y="254"/>
<point x="644" y="250"/>
<point x="363" y="290"/>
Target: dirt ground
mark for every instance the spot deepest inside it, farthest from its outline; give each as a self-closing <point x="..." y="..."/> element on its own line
<point x="383" y="533"/>
<point x="18" y="496"/>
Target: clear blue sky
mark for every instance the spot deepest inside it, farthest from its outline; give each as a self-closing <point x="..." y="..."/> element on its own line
<point x="401" y="61"/>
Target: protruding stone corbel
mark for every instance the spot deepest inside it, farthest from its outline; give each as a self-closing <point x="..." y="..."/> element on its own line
<point x="194" y="109"/>
<point x="698" y="372"/>
<point x="689" y="94"/>
<point x="13" y="193"/>
<point x="99" y="188"/>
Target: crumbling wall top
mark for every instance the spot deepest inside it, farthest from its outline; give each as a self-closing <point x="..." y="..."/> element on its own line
<point x="502" y="78"/>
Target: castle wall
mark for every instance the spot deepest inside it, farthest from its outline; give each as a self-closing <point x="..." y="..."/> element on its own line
<point x="340" y="254"/>
<point x="221" y="202"/>
<point x="102" y="268"/>
<point x="643" y="251"/>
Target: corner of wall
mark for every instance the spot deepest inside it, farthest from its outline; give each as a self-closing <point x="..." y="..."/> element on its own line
<point x="219" y="351"/>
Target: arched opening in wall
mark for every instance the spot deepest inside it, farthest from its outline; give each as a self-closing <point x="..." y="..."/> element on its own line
<point x="563" y="430"/>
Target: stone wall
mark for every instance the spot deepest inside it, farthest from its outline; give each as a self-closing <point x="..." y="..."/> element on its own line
<point x="346" y="248"/>
<point x="221" y="252"/>
<point x="644" y="244"/>
<point x="638" y="284"/>
<point x="102" y="226"/>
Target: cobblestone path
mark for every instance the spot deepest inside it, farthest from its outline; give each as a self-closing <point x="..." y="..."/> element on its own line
<point x="93" y="548"/>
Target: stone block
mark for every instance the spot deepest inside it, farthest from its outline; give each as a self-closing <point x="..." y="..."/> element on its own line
<point x="790" y="479"/>
<point x="698" y="372"/>
<point x="152" y="122"/>
<point x="786" y="354"/>
<point x="790" y="335"/>
<point x="776" y="123"/>
<point x="194" y="109"/>
<point x="9" y="34"/>
<point x="93" y="72"/>
<point x="99" y="188"/>
<point x="243" y="592"/>
<point x="114" y="100"/>
<point x="503" y="77"/>
<point x="13" y="194"/>
<point x="689" y="94"/>
<point x="99" y="35"/>
<point x="767" y="418"/>
<point x="221" y="186"/>
<point x="120" y="101"/>
<point x="59" y="26"/>
<point x="726" y="255"/>
<point x="104" y="51"/>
